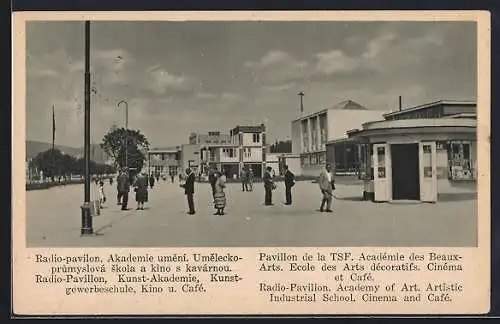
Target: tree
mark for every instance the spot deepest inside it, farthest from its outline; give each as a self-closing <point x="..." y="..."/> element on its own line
<point x="49" y="162"/>
<point x="114" y="142"/>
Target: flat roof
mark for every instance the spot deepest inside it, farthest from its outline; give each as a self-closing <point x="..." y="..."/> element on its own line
<point x="248" y="129"/>
<point x="431" y="104"/>
<point x="340" y="140"/>
<point x="165" y="149"/>
<point x="407" y="124"/>
<point x="339" y="106"/>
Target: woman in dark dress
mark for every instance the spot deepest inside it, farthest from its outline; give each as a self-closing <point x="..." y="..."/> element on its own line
<point x="141" y="190"/>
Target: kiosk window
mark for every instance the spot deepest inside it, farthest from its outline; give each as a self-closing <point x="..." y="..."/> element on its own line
<point x="427" y="161"/>
<point x="381" y="162"/>
<point x="459" y="161"/>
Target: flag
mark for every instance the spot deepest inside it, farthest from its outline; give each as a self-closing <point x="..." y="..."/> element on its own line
<point x="53" y="126"/>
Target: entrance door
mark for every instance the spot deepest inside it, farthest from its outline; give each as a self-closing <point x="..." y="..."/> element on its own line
<point x="427" y="168"/>
<point x="381" y="176"/>
<point x="405" y="172"/>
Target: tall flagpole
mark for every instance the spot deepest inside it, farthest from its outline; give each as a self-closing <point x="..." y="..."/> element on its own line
<point x="53" y="127"/>
<point x="86" y="228"/>
<point x="53" y="143"/>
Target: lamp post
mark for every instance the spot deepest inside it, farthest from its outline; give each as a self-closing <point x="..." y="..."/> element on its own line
<point x="86" y="228"/>
<point x="126" y="130"/>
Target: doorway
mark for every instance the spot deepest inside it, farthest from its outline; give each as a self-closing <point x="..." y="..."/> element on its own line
<point x="405" y="172"/>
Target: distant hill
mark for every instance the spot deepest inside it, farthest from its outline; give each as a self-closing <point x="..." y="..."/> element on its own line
<point x="35" y="147"/>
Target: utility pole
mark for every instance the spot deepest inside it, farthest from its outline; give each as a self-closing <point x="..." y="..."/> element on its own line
<point x="86" y="228"/>
<point x="126" y="131"/>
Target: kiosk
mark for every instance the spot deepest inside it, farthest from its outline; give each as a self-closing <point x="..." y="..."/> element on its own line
<point x="415" y="159"/>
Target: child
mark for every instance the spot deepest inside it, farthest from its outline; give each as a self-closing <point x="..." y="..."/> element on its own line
<point x="102" y="196"/>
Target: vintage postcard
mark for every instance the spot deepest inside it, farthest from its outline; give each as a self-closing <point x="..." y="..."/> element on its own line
<point x="201" y="163"/>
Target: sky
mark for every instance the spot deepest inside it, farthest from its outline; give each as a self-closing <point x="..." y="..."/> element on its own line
<point x="184" y="77"/>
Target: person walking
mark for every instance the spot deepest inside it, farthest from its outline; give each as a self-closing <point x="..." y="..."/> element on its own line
<point x="172" y="176"/>
<point x="289" y="183"/>
<point x="151" y="180"/>
<point x="124" y="188"/>
<point x="189" y="190"/>
<point x="102" y="196"/>
<point x="269" y="186"/>
<point x="141" y="190"/>
<point x="119" y="193"/>
<point x="326" y="185"/>
<point x="244" y="179"/>
<point x="219" y="194"/>
<point x="250" y="180"/>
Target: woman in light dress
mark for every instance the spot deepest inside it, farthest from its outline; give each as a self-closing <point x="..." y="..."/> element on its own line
<point x="219" y="195"/>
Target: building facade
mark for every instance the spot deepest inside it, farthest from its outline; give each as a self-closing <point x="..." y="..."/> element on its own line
<point x="420" y="152"/>
<point x="164" y="161"/>
<point x="243" y="146"/>
<point x="311" y="134"/>
<point x="251" y="144"/>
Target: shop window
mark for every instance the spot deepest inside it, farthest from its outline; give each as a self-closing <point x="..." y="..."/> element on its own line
<point x="460" y="161"/>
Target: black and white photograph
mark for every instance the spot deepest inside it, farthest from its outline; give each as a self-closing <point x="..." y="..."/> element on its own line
<point x="251" y="133"/>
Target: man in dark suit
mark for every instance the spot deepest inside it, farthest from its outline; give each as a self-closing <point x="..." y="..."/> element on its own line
<point x="189" y="189"/>
<point x="268" y="187"/>
<point x="289" y="183"/>
<point x="124" y="188"/>
<point x="119" y="193"/>
<point x="212" y="178"/>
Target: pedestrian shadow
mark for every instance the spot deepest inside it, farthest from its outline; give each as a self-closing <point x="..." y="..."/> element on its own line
<point x="452" y="197"/>
<point x="101" y="230"/>
<point x="352" y="198"/>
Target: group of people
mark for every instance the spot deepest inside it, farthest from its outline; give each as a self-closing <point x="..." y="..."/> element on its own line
<point x="246" y="177"/>
<point x="142" y="182"/>
<point x="218" y="180"/>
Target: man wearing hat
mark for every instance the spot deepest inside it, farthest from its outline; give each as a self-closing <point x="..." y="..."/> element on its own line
<point x="123" y="184"/>
<point x="269" y="186"/>
<point x="189" y="190"/>
<point x="326" y="185"/>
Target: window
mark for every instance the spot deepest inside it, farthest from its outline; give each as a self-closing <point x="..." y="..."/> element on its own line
<point x="256" y="138"/>
<point x="314" y="159"/>
<point x="381" y="162"/>
<point x="304" y="160"/>
<point x="427" y="161"/>
<point x="321" y="158"/>
<point x="229" y="152"/>
<point x="460" y="161"/>
<point x="247" y="153"/>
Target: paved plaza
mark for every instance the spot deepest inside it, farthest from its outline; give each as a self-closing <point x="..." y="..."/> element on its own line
<point x="54" y="219"/>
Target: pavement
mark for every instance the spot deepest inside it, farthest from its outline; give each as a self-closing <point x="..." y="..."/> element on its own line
<point x="54" y="219"/>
